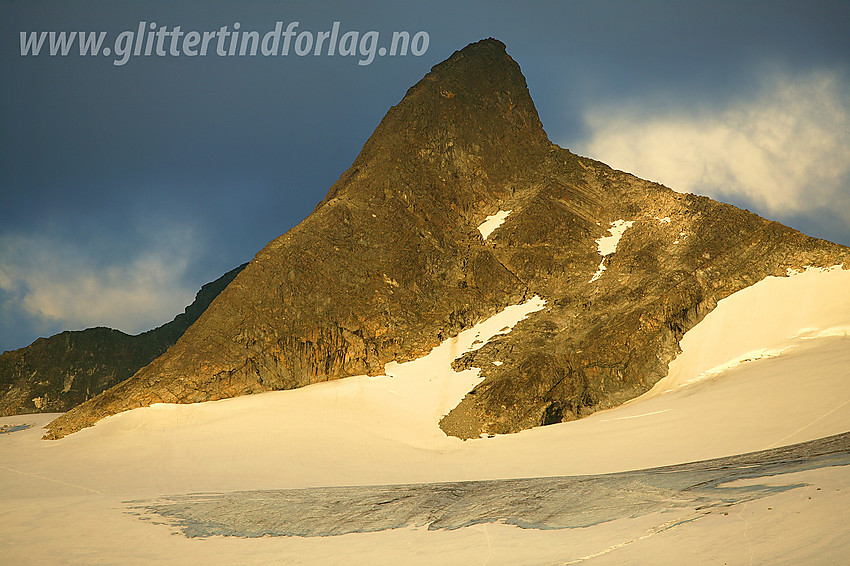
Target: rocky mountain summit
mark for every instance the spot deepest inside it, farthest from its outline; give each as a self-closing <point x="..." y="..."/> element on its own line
<point x="392" y="262"/>
<point x="55" y="374"/>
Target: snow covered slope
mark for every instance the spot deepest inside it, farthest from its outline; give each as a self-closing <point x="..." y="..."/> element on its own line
<point x="66" y="501"/>
<point x="774" y="316"/>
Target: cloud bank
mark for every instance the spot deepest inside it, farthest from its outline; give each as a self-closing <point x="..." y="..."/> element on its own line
<point x="63" y="284"/>
<point x="784" y="148"/>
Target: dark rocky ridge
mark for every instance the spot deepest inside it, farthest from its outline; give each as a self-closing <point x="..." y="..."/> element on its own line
<point x="55" y="374"/>
<point x="390" y="263"/>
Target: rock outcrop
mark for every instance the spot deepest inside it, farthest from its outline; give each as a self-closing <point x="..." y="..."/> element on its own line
<point x="391" y="262"/>
<point x="53" y="375"/>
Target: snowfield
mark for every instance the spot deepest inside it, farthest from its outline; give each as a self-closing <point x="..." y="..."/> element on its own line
<point x="768" y="368"/>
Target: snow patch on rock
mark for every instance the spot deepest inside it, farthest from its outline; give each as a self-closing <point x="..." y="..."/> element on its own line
<point x="607" y="245"/>
<point x="492" y="222"/>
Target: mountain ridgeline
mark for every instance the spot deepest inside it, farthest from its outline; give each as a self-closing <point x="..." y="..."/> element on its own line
<point x="391" y="263"/>
<point x="55" y="374"/>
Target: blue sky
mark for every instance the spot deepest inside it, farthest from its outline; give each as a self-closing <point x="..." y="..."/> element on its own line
<point x="124" y="188"/>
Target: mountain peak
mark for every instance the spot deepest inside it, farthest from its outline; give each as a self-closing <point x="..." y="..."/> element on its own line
<point x="462" y="134"/>
<point x="391" y="263"/>
<point x="481" y="83"/>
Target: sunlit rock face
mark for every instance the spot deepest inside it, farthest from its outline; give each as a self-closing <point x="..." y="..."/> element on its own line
<point x="394" y="260"/>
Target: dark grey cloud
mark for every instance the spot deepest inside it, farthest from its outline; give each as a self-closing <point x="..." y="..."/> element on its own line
<point x="187" y="167"/>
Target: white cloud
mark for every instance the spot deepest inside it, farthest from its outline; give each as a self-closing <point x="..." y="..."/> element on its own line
<point x="54" y="280"/>
<point x="785" y="148"/>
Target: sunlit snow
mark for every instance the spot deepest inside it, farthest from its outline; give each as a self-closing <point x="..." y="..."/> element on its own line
<point x="67" y="501"/>
<point x="492" y="222"/>
<point x="607" y="245"/>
